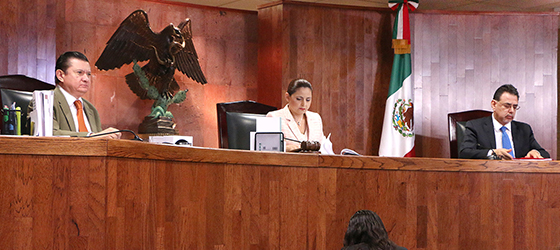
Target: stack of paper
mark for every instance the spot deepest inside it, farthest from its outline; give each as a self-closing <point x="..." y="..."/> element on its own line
<point x="42" y="114"/>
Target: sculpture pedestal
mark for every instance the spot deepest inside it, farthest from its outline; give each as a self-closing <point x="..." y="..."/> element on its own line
<point x="160" y="126"/>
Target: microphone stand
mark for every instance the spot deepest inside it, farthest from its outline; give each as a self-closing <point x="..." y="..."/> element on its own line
<point x="289" y="139"/>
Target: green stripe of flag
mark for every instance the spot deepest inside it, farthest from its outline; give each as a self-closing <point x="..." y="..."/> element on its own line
<point x="401" y="70"/>
<point x="396" y="24"/>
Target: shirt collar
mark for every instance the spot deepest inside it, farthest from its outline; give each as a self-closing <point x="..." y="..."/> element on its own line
<point x="69" y="98"/>
<point x="498" y="125"/>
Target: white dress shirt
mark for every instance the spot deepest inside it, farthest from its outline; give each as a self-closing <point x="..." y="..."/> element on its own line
<point x="70" y="99"/>
<point x="498" y="134"/>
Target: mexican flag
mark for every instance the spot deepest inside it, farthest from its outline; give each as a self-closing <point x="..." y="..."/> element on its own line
<point x="397" y="137"/>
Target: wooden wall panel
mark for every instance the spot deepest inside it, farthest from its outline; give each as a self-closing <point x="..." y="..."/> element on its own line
<point x="271" y="55"/>
<point x="144" y="196"/>
<point x="459" y="60"/>
<point x="34" y="32"/>
<point x="225" y="40"/>
<point x="344" y="53"/>
<point x="27" y="41"/>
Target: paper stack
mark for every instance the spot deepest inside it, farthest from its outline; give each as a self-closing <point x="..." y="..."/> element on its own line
<point x="42" y="114"/>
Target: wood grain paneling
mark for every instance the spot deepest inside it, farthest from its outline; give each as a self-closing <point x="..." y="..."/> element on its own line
<point x="271" y="55"/>
<point x="27" y="38"/>
<point x="163" y="197"/>
<point x="225" y="40"/>
<point x="459" y="59"/>
<point x="344" y="53"/>
<point x="34" y="32"/>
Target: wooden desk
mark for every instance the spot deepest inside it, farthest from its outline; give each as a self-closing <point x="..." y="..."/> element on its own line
<point x="61" y="193"/>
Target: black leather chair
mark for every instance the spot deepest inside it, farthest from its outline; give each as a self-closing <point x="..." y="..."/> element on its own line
<point x="236" y="120"/>
<point x="19" y="89"/>
<point x="457" y="122"/>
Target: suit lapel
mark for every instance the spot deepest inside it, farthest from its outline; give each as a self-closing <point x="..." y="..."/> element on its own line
<point x="292" y="125"/>
<point x="88" y="110"/>
<point x="489" y="130"/>
<point x="515" y="139"/>
<point x="314" y="126"/>
<point x="63" y="104"/>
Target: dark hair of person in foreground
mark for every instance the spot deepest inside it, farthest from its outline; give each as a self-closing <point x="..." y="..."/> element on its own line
<point x="367" y="232"/>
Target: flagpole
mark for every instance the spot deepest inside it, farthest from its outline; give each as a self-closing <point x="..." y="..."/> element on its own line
<point x="397" y="137"/>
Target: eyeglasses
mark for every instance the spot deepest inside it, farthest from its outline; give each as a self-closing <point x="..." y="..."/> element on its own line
<point x="509" y="105"/>
<point x="81" y="73"/>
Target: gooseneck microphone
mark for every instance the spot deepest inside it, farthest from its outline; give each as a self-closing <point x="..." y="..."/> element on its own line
<point x="289" y="139"/>
<point x="136" y="138"/>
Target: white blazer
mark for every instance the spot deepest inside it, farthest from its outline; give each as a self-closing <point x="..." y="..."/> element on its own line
<point x="291" y="130"/>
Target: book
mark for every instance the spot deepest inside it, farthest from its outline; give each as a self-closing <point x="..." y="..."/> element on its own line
<point x="348" y="151"/>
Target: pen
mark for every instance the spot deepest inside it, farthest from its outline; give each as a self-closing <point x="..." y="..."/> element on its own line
<point x="5" y="120"/>
<point x="18" y="121"/>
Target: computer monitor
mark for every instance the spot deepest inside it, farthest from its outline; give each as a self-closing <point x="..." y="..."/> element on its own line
<point x="239" y="126"/>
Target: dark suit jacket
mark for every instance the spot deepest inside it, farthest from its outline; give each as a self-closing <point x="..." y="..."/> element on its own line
<point x="479" y="139"/>
<point x="63" y="122"/>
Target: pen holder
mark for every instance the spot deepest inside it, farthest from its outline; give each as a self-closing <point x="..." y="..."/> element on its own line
<point x="10" y="124"/>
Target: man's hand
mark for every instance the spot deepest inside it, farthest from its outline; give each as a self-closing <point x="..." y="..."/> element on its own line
<point x="109" y="136"/>
<point x="503" y="153"/>
<point x="534" y="154"/>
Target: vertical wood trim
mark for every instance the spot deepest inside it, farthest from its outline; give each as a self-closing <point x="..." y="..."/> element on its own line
<point x="270" y="56"/>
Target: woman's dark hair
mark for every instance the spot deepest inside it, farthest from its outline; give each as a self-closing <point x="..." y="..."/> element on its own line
<point x="365" y="227"/>
<point x="505" y="88"/>
<point x="63" y="64"/>
<point x="296" y="84"/>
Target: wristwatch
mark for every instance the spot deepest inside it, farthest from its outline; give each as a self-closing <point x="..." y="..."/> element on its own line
<point x="493" y="156"/>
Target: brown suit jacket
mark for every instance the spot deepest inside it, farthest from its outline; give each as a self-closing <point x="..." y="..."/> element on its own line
<point x="63" y="123"/>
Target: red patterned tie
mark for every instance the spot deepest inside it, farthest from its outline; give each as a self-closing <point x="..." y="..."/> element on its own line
<point x="81" y="123"/>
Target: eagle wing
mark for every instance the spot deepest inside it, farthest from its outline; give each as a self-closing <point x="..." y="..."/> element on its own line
<point x="133" y="40"/>
<point x="186" y="58"/>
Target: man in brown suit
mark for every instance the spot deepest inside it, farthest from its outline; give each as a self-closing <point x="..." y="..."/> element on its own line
<point x="70" y="110"/>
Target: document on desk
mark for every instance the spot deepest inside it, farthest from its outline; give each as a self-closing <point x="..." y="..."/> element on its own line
<point x="532" y="159"/>
<point x="326" y="146"/>
<point x="42" y="114"/>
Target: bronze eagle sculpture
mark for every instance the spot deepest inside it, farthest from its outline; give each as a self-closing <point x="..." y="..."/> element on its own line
<point x="166" y="51"/>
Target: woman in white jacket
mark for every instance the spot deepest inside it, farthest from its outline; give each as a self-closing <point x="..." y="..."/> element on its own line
<point x="298" y="123"/>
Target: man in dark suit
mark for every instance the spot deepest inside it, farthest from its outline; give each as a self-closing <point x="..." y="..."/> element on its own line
<point x="72" y="114"/>
<point x="498" y="135"/>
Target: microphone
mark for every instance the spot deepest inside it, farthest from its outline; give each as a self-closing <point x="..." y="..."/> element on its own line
<point x="289" y="139"/>
<point x="136" y="138"/>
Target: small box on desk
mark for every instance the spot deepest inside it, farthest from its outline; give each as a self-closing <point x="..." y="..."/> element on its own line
<point x="178" y="140"/>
